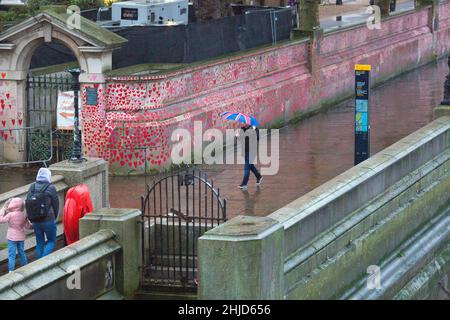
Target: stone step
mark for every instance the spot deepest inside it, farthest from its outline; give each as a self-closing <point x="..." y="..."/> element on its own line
<point x="174" y="273"/>
<point x="173" y="260"/>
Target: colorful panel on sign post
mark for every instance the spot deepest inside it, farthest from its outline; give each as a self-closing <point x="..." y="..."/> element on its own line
<point x="65" y="110"/>
<point x="362" y="125"/>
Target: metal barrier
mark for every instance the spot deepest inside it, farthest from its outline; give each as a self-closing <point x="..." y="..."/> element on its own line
<point x="176" y="211"/>
<point x="32" y="140"/>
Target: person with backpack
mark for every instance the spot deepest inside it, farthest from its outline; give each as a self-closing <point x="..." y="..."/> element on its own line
<point x="42" y="206"/>
<point x="13" y="213"/>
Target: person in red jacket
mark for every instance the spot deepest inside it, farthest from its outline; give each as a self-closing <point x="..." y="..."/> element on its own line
<point x="78" y="203"/>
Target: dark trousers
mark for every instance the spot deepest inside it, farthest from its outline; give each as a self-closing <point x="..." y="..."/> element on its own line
<point x="42" y="230"/>
<point x="247" y="168"/>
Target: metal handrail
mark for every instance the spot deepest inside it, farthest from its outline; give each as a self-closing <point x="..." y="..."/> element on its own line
<point x="31" y="162"/>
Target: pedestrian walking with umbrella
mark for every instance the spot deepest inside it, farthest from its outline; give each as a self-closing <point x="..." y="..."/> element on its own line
<point x="249" y="123"/>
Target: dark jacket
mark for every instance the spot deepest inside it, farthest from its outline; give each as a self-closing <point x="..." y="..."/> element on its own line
<point x="247" y="139"/>
<point x="52" y="199"/>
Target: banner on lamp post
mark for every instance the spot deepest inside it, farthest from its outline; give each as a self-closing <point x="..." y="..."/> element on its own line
<point x="65" y="110"/>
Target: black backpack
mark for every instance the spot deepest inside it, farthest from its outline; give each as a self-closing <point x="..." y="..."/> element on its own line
<point x="36" y="204"/>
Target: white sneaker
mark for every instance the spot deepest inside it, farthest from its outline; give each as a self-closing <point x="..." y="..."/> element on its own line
<point x="243" y="187"/>
<point x="258" y="182"/>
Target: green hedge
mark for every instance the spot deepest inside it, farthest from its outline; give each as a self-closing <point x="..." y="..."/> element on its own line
<point x="19" y="13"/>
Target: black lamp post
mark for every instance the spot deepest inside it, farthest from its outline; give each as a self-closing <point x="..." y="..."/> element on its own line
<point x="76" y="156"/>
<point x="446" y="101"/>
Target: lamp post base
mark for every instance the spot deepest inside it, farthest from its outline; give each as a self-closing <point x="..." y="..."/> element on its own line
<point x="77" y="160"/>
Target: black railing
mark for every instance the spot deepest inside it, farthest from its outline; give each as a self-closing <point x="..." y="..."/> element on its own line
<point x="41" y="113"/>
<point x="176" y="210"/>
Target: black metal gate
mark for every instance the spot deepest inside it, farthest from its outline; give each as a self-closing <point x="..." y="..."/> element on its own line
<point x="44" y="139"/>
<point x="177" y="209"/>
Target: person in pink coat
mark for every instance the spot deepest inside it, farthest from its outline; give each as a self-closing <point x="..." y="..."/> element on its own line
<point x="13" y="213"/>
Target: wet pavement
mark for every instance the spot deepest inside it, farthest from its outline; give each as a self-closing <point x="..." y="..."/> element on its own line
<point x="311" y="152"/>
<point x="328" y="22"/>
<point x="318" y="148"/>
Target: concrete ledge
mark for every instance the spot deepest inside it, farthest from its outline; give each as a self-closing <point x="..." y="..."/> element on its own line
<point x="305" y="259"/>
<point x="250" y="249"/>
<point x="430" y="283"/>
<point x="93" y="172"/>
<point x="37" y="279"/>
<point x="408" y="260"/>
<point x="332" y="268"/>
<point x="309" y="216"/>
<point x="441" y="111"/>
<point x="126" y="224"/>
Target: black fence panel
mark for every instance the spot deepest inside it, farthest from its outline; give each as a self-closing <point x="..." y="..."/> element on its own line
<point x="196" y="41"/>
<point x="202" y="40"/>
<point x="150" y="45"/>
<point x="52" y="53"/>
<point x="97" y="14"/>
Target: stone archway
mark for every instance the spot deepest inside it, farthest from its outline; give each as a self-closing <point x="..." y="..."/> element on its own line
<point x="91" y="45"/>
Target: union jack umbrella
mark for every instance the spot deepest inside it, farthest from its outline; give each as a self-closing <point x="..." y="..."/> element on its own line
<point x="240" y="117"/>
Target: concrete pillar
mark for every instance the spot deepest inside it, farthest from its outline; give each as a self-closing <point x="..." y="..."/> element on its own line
<point x="93" y="116"/>
<point x="93" y="173"/>
<point x="12" y="115"/>
<point x="125" y="224"/>
<point x="315" y="41"/>
<point x="242" y="259"/>
<point x="441" y="111"/>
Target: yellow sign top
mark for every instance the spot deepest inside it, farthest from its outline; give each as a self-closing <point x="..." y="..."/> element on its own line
<point x="362" y="67"/>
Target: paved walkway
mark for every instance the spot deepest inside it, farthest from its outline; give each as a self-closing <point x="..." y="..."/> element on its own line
<point x="321" y="147"/>
<point x="352" y="12"/>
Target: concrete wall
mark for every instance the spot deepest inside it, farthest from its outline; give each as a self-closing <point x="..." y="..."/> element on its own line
<point x="125" y="223"/>
<point x="103" y="264"/>
<point x="391" y="211"/>
<point x="94" y="257"/>
<point x="135" y="116"/>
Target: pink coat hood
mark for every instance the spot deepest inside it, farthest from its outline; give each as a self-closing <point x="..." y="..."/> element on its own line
<point x="16" y="218"/>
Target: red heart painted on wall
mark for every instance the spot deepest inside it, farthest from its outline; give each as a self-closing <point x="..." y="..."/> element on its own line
<point x="3" y="75"/>
<point x="4" y="123"/>
<point x="7" y="95"/>
<point x="13" y="121"/>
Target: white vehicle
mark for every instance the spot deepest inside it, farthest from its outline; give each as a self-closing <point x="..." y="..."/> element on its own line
<point x="12" y="2"/>
<point x="151" y="12"/>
